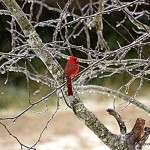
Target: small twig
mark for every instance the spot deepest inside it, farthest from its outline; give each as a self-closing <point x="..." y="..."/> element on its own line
<point x="33" y="104"/>
<point x="28" y="83"/>
<point x="46" y="125"/>
<point x="22" y="145"/>
<point x="119" y="119"/>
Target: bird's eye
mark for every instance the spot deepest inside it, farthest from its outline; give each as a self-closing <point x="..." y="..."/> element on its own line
<point x="76" y="61"/>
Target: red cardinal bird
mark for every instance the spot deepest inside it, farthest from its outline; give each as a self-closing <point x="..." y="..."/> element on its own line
<point x="71" y="70"/>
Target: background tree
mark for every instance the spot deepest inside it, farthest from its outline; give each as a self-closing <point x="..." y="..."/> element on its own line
<point x="111" y="40"/>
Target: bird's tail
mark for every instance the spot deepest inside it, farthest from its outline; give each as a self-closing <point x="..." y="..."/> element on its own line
<point x="69" y="86"/>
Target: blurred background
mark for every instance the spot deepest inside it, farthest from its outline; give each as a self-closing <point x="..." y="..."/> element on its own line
<point x="65" y="131"/>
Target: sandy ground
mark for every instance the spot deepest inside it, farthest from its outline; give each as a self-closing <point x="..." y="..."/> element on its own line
<point x="65" y="131"/>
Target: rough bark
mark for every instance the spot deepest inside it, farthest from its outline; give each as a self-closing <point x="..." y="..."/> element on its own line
<point x="113" y="141"/>
<point x="124" y="141"/>
<point x="138" y="134"/>
<point x="43" y="52"/>
<point x="119" y="119"/>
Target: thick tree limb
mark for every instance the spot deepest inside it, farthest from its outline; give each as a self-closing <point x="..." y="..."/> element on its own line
<point x="46" y="55"/>
<point x="136" y="138"/>
<point x="122" y="96"/>
<point x="93" y="123"/>
<point x="145" y="136"/>
<point x="43" y="52"/>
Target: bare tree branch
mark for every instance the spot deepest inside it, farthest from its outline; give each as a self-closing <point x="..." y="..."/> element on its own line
<point x="120" y="121"/>
<point x="111" y="39"/>
<point x="113" y="93"/>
